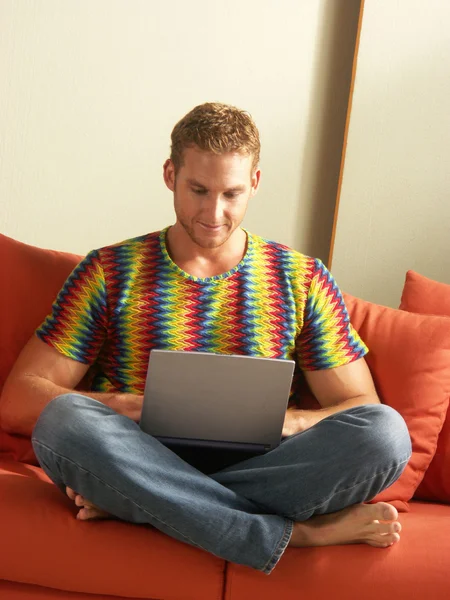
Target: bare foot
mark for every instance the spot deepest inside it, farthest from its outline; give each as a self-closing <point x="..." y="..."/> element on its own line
<point x="87" y="510"/>
<point x="373" y="524"/>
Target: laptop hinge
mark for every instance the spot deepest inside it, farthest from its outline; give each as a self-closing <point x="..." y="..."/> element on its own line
<point x="214" y="444"/>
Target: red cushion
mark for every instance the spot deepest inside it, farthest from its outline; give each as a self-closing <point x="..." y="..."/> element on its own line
<point x="410" y="362"/>
<point x="46" y="545"/>
<point x="409" y="358"/>
<point x="30" y="280"/>
<point x="425" y="296"/>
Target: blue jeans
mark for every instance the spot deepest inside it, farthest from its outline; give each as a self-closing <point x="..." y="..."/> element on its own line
<point x="243" y="513"/>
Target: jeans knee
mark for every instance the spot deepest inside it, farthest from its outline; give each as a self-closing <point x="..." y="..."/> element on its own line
<point x="60" y="419"/>
<point x="388" y="435"/>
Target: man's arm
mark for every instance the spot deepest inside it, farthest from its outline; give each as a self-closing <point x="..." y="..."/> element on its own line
<point x="336" y="390"/>
<point x="40" y="374"/>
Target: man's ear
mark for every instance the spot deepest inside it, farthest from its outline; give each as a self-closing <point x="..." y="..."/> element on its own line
<point x="169" y="174"/>
<point x="255" y="181"/>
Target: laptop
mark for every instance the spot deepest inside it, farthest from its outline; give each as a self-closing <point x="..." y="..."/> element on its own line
<point x="217" y="401"/>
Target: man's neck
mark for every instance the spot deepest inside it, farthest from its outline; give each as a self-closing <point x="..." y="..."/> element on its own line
<point x="205" y="262"/>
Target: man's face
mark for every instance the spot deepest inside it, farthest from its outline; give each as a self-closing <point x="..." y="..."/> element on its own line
<point x="211" y="193"/>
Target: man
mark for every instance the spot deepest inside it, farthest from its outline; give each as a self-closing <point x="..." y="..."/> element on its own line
<point x="207" y="284"/>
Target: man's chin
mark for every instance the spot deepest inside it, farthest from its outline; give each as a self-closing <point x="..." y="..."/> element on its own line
<point x="209" y="244"/>
<point x="209" y="241"/>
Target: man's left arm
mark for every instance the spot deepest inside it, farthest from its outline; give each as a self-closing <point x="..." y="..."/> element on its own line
<point x="336" y="390"/>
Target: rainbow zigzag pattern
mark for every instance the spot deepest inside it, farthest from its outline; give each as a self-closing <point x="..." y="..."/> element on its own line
<point x="123" y="300"/>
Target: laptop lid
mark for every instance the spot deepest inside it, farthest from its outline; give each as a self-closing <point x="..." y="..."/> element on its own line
<point x="216" y="400"/>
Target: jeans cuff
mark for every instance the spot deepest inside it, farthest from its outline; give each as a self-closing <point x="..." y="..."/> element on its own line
<point x="281" y="547"/>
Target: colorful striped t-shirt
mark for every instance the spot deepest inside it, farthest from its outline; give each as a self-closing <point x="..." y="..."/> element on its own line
<point x="122" y="301"/>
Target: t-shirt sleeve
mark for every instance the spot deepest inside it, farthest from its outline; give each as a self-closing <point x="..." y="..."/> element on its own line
<point x="77" y="325"/>
<point x="327" y="339"/>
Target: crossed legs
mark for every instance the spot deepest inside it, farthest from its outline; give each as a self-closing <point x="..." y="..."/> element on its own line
<point x="309" y="491"/>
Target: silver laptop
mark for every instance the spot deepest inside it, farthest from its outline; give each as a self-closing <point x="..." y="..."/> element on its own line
<point x="205" y="400"/>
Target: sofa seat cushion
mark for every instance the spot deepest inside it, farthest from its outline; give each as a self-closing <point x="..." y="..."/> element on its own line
<point x="44" y="544"/>
<point x="10" y="590"/>
<point x="426" y="296"/>
<point x="416" y="567"/>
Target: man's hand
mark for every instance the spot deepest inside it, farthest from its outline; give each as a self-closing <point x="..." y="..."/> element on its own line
<point x="297" y="420"/>
<point x="129" y="405"/>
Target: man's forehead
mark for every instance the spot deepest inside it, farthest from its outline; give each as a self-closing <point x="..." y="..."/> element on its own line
<point x="231" y="171"/>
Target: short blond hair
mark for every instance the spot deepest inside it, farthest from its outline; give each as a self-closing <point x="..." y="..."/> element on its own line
<point x="218" y="128"/>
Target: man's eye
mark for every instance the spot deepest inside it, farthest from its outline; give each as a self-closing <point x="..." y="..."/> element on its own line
<point x="231" y="195"/>
<point x="199" y="192"/>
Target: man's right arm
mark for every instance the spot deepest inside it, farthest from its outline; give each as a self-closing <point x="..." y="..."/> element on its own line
<point x="40" y="374"/>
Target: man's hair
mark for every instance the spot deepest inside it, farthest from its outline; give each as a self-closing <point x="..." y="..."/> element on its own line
<point x="218" y="128"/>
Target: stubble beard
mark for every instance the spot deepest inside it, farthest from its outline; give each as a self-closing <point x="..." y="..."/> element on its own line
<point x="203" y="242"/>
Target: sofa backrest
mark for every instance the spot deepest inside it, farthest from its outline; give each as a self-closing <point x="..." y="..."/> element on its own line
<point x="427" y="296"/>
<point x="30" y="280"/>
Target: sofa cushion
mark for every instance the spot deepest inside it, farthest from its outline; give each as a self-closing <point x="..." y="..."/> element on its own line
<point x="47" y="546"/>
<point x="31" y="278"/>
<point x="425" y="296"/>
<point x="25" y="591"/>
<point x="416" y="567"/>
<point x="409" y="358"/>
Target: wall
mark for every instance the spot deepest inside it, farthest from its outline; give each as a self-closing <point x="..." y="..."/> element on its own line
<point x="394" y="210"/>
<point x="92" y="89"/>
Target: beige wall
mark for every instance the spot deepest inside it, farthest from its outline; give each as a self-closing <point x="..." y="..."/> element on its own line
<point x="394" y="212"/>
<point x="90" y="90"/>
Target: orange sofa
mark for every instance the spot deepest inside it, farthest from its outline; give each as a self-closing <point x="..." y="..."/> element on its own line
<point x="47" y="554"/>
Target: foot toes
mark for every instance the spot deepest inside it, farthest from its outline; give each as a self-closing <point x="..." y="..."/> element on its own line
<point x="386" y="528"/>
<point x="396" y="527"/>
<point x="79" y="500"/>
<point x="71" y="493"/>
<point x="82" y="514"/>
<point x="87" y="514"/>
<point x="387" y="512"/>
<point x="386" y="540"/>
<point x="393" y="538"/>
<point x="381" y="511"/>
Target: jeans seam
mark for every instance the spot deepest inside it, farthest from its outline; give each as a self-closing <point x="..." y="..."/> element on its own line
<point x="283" y="543"/>
<point x="120" y="493"/>
<point x="296" y="516"/>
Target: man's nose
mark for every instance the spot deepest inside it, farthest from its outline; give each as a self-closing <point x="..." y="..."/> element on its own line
<point x="214" y="210"/>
